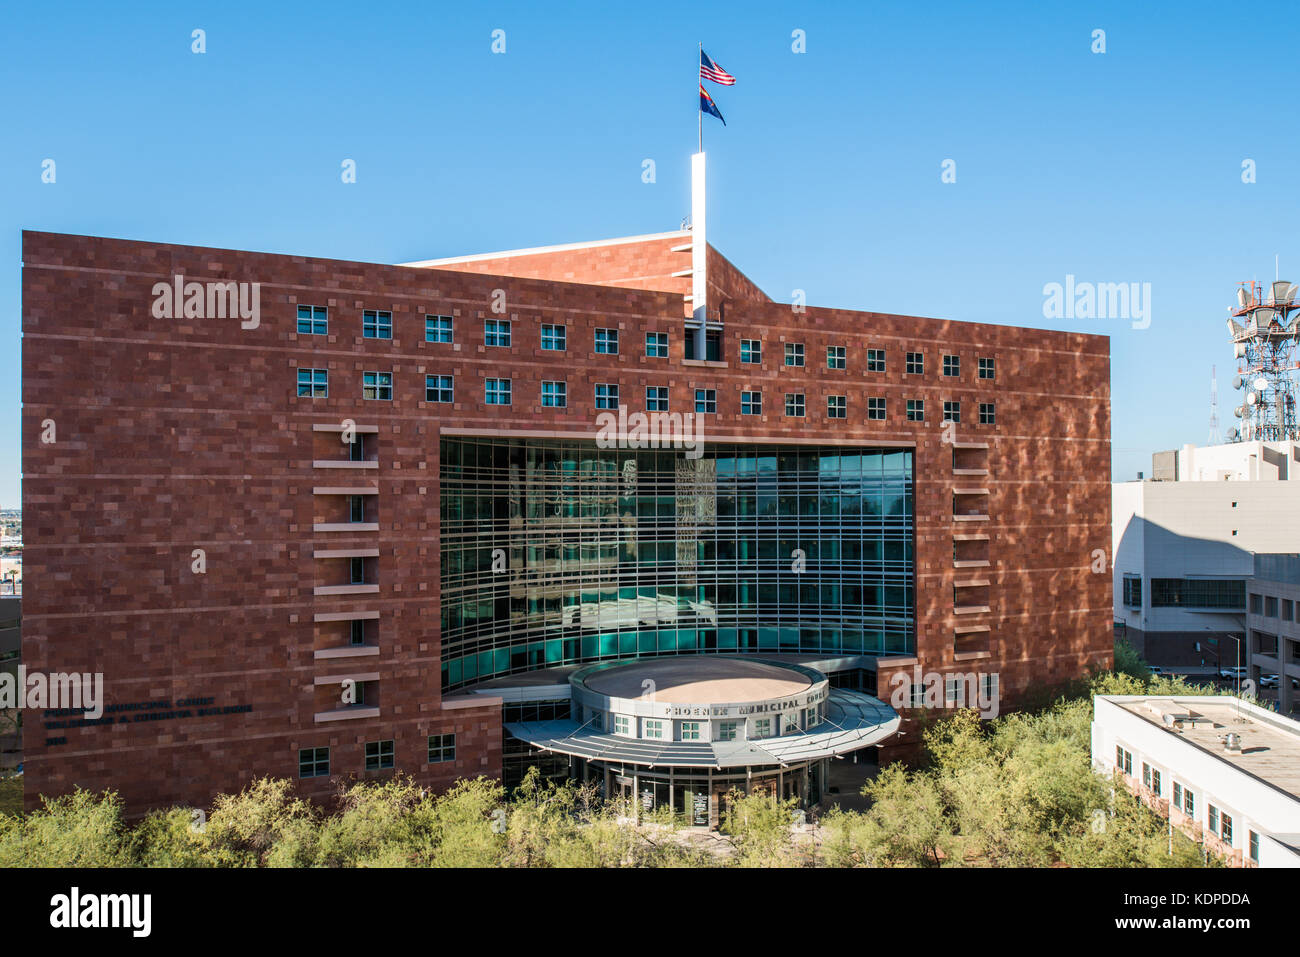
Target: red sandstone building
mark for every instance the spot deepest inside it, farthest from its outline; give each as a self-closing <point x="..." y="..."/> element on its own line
<point x="344" y="539"/>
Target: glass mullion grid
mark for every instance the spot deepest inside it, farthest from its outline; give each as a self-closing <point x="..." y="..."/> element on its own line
<point x="594" y="525"/>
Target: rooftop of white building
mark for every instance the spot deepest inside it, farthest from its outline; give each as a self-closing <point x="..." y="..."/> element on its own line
<point x="1268" y="745"/>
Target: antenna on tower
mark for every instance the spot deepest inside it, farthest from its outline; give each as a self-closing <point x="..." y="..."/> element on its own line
<point x="1215" y="437"/>
<point x="1264" y="331"/>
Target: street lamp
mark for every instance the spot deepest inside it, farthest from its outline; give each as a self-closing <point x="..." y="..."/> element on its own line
<point x="1237" y="671"/>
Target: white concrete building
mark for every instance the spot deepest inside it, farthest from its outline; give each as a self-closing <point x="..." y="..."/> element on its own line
<point x="1225" y="772"/>
<point x="1183" y="546"/>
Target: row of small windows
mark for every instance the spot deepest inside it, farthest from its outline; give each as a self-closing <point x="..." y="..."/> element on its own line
<point x="379" y="756"/>
<point x="751" y="352"/>
<point x="314" y="383"/>
<point x="1268" y="607"/>
<point x="378" y="324"/>
<point x="1218" y="822"/>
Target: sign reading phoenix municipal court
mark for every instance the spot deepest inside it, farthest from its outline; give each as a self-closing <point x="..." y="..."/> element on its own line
<point x="792" y="703"/>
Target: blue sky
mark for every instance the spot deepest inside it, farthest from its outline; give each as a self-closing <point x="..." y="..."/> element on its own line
<point x="1116" y="167"/>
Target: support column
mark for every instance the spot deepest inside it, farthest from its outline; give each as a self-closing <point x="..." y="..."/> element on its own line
<point x="699" y="257"/>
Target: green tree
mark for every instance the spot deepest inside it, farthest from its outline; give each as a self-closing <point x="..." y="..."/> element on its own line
<point x="81" y="829"/>
<point x="759" y="825"/>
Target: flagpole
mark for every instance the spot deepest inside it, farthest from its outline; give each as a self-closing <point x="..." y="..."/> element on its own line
<point x="699" y="111"/>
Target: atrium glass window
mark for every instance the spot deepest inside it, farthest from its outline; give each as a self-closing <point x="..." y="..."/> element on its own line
<point x="640" y="552"/>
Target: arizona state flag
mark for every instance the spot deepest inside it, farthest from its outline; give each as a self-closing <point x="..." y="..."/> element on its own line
<point x="708" y="106"/>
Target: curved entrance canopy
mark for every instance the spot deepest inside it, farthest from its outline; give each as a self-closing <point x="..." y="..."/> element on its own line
<point x="852" y="720"/>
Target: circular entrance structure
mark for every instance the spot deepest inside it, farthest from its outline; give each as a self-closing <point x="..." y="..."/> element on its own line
<point x="687" y="730"/>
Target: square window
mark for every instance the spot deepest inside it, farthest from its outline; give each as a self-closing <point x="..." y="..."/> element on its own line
<point x="762" y="727"/>
<point x="875" y="360"/>
<point x="835" y="357"/>
<point x="951" y="688"/>
<point x="313" y="383"/>
<point x="553" y="338"/>
<point x="918" y="694"/>
<point x="437" y="328"/>
<point x="794" y="404"/>
<point x="656" y="398"/>
<point x="497" y="391"/>
<point x="986" y="367"/>
<point x="607" y="342"/>
<point x="875" y="408"/>
<point x="1132" y="591"/>
<point x="442" y="747"/>
<point x="952" y="366"/>
<point x="915" y="410"/>
<point x="728" y="730"/>
<point x="952" y="411"/>
<point x="313" y="762"/>
<point x="376" y="324"/>
<point x="606" y="395"/>
<point x="555" y="395"/>
<point x="377" y="385"/>
<point x="751" y="351"/>
<point x="794" y="353"/>
<point x="496" y="332"/>
<point x="313" y="321"/>
<point x="751" y="403"/>
<point x="439" y="388"/>
<point x="652" y="728"/>
<point x="379" y="755"/>
<point x="915" y="363"/>
<point x="706" y="401"/>
<point x="837" y="406"/>
<point x="986" y="414"/>
<point x="690" y="731"/>
<point x="621" y="724"/>
<point x="656" y="345"/>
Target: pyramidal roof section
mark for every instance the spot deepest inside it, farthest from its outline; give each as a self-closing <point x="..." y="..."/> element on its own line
<point x="657" y="261"/>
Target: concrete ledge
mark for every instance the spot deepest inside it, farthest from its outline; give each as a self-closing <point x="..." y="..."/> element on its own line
<point x="346" y="590"/>
<point x="345" y="616"/>
<point x="347" y="651"/>
<point x="347" y="714"/>
<point x="339" y="679"/>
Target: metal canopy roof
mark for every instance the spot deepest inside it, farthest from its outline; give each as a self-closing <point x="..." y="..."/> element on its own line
<point x="853" y="720"/>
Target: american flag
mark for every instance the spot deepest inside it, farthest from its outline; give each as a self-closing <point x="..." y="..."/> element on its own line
<point x="711" y="71"/>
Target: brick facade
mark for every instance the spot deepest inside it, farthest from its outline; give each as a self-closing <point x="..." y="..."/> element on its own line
<point x="172" y="435"/>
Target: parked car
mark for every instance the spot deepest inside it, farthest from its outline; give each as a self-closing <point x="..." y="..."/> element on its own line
<point x="1233" y="673"/>
<point x="1268" y="681"/>
<point x="1156" y="669"/>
